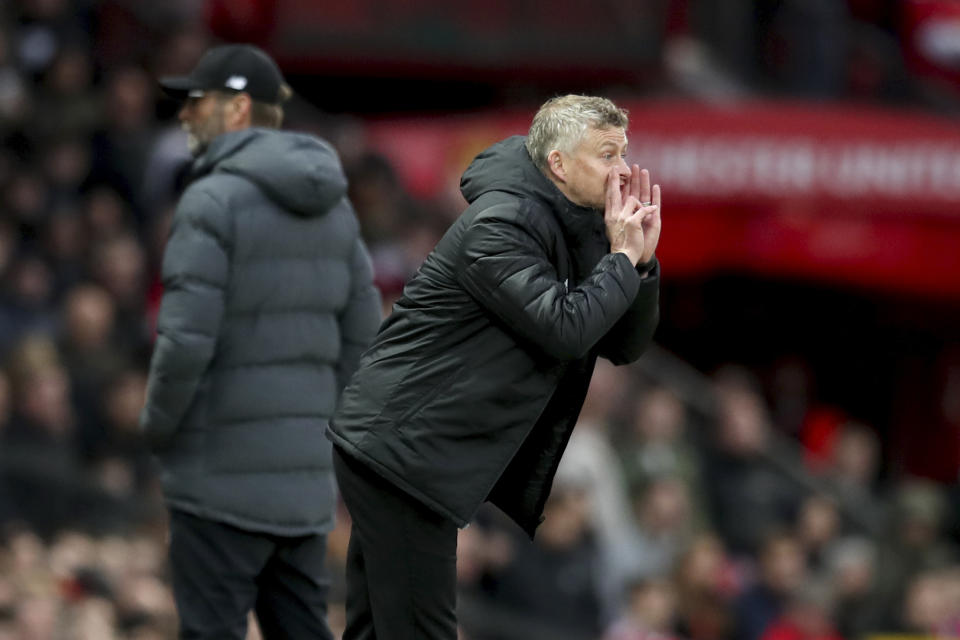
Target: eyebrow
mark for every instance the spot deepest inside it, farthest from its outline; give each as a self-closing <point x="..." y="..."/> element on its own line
<point x="609" y="143"/>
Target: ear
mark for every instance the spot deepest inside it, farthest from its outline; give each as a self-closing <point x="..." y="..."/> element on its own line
<point x="556" y="166"/>
<point x="239" y="111"/>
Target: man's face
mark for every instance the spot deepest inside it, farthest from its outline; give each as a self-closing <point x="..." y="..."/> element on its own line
<point x="203" y="120"/>
<point x="590" y="162"/>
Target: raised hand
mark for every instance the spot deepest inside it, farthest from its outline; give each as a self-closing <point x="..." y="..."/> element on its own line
<point x="650" y="206"/>
<point x="632" y="214"/>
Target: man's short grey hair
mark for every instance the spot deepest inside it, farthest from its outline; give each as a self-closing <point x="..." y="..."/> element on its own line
<point x="561" y="123"/>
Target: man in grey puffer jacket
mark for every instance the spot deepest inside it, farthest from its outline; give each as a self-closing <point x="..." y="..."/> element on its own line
<point x="268" y="302"/>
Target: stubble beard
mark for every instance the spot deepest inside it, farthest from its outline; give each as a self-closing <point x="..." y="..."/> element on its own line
<point x="200" y="135"/>
<point x="193" y="143"/>
<point x="197" y="141"/>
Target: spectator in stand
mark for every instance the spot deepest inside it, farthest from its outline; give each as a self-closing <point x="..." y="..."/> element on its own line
<point x="650" y="613"/>
<point x="706" y="585"/>
<point x="656" y="436"/>
<point x="852" y="566"/>
<point x="39" y="613"/>
<point x="43" y="414"/>
<point x="931" y="603"/>
<point x="90" y="354"/>
<point x="65" y="162"/>
<point x="26" y="306"/>
<point x="658" y="444"/>
<point x="553" y="584"/>
<point x="748" y="490"/>
<point x="396" y="261"/>
<point x="400" y="232"/>
<point x="950" y="623"/>
<point x="853" y="468"/>
<point x="122" y="461"/>
<point x="122" y="146"/>
<point x="807" y="615"/>
<point x="916" y="543"/>
<point x="383" y="205"/>
<point x="817" y="529"/>
<point x="106" y="214"/>
<point x="663" y="528"/>
<point x="591" y="460"/>
<point x="64" y="246"/>
<point x="782" y="570"/>
<point x="27" y="200"/>
<point x="792" y="394"/>
<point x="41" y="444"/>
<point x="67" y="105"/>
<point x="118" y="264"/>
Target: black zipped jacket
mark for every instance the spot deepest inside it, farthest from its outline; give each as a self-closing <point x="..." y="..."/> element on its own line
<point x="473" y="385"/>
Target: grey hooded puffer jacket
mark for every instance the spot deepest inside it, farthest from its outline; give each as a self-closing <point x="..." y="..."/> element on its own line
<point x="268" y="302"/>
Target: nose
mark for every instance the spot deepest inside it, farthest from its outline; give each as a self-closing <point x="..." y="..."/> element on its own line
<point x="182" y="114"/>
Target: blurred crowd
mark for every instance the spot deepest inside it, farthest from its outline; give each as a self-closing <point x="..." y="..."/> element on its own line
<point x="670" y="522"/>
<point x="667" y="520"/>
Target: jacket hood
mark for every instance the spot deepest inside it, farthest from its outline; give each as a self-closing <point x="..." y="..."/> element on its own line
<point x="506" y="166"/>
<point x="300" y="172"/>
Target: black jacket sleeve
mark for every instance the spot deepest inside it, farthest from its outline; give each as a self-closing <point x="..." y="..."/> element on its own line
<point x="633" y="332"/>
<point x="508" y="272"/>
<point x="360" y="319"/>
<point x="196" y="266"/>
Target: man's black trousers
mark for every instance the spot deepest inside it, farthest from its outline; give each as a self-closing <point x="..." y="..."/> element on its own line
<point x="220" y="573"/>
<point x="401" y="561"/>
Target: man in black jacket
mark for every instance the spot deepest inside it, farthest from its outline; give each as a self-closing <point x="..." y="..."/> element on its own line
<point x="268" y="302"/>
<point x="471" y="389"/>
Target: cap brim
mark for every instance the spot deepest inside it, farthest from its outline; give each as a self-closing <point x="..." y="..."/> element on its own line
<point x="178" y="86"/>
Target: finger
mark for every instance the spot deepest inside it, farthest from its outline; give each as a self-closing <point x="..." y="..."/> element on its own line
<point x="650" y="227"/>
<point x="635" y="181"/>
<point x="630" y="207"/>
<point x="614" y="198"/>
<point x="650" y="217"/>
<point x="644" y="190"/>
<point x="638" y="214"/>
<point x="654" y="206"/>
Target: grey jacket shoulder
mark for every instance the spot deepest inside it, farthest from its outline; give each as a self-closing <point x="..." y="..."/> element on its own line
<point x="204" y="204"/>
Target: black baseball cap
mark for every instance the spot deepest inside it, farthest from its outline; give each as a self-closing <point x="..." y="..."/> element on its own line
<point x="231" y="67"/>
